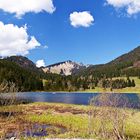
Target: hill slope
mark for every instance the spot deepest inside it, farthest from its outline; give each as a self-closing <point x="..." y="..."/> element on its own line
<point x="127" y="64"/>
<point x="131" y="57"/>
<point x="24" y="62"/>
<point x="24" y="79"/>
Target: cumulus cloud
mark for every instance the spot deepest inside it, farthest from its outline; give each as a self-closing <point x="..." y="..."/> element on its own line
<point x="131" y="6"/>
<point x="84" y="19"/>
<point x="40" y="63"/>
<point x="15" y="40"/>
<point x="21" y="7"/>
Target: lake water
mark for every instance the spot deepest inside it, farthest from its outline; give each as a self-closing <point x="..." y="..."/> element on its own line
<point x="76" y="98"/>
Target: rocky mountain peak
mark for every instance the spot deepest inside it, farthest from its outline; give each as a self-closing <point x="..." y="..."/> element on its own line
<point x="64" y="68"/>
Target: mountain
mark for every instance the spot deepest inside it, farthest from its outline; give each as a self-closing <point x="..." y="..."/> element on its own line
<point x="126" y="64"/>
<point x="25" y="79"/>
<point x="24" y="62"/>
<point x="130" y="57"/>
<point x="26" y="75"/>
<point x="64" y="68"/>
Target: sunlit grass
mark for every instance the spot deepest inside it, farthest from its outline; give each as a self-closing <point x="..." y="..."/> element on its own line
<point x="79" y="124"/>
<point x="76" y="125"/>
<point x="135" y="89"/>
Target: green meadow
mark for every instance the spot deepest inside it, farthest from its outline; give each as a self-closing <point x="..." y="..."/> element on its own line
<point x="68" y="121"/>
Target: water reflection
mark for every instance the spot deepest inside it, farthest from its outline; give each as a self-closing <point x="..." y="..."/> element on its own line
<point x="119" y="100"/>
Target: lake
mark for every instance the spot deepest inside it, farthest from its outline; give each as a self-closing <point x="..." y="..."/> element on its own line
<point x="76" y="98"/>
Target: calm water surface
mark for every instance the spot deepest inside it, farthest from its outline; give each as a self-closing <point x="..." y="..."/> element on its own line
<point x="73" y="98"/>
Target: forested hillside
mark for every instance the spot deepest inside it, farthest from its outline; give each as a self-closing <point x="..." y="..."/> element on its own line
<point x="125" y="65"/>
<point x="25" y="63"/>
<point x="24" y="79"/>
<point x="130" y="57"/>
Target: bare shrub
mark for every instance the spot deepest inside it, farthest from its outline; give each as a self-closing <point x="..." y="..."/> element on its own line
<point x="108" y="116"/>
<point x="7" y="87"/>
<point x="7" y="98"/>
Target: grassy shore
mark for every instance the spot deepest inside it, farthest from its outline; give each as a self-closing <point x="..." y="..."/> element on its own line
<point x="101" y="90"/>
<point x="73" y="119"/>
<point x="124" y="90"/>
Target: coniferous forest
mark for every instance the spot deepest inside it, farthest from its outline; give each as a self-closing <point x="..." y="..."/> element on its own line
<point x="24" y="79"/>
<point x="95" y="76"/>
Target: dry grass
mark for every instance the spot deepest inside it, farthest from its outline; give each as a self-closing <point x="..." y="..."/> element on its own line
<point x="74" y="118"/>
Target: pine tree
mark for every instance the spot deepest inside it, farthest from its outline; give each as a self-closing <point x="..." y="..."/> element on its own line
<point x="133" y="83"/>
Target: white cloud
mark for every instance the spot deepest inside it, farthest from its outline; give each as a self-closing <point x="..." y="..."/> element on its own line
<point x="84" y="19"/>
<point x="15" y="40"/>
<point x="45" y="47"/>
<point x="131" y="6"/>
<point x="40" y="63"/>
<point x="21" y="7"/>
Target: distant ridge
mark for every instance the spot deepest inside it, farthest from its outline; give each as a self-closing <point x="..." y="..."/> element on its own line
<point x="64" y="68"/>
<point x="24" y="62"/>
<point x="132" y="56"/>
<point x="126" y="64"/>
<point x="59" y="63"/>
<point x="128" y="61"/>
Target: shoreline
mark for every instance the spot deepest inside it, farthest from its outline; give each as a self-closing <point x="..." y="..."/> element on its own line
<point x="88" y="92"/>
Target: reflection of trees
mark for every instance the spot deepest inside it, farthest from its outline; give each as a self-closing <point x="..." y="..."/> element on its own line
<point x="108" y="120"/>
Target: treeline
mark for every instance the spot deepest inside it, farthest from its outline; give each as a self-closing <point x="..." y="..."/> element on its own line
<point x="56" y="82"/>
<point x="117" y="83"/>
<point x="24" y="79"/>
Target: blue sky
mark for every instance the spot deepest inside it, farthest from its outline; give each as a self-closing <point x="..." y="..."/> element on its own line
<point x="113" y="32"/>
